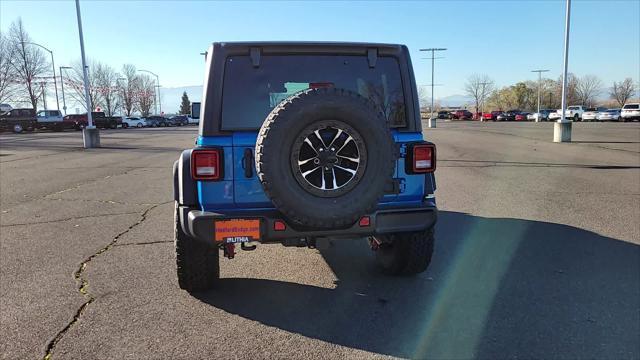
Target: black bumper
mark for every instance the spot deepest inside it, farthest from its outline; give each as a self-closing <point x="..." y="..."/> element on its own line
<point x="200" y="224"/>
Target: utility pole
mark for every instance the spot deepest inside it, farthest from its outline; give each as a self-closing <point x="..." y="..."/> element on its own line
<point x="484" y="88"/>
<point x="90" y="135"/>
<point x="432" y="121"/>
<point x="562" y="128"/>
<point x="64" y="103"/>
<point x="539" y="89"/>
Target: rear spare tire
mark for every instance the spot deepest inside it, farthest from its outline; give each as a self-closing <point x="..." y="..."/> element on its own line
<point x="324" y="156"/>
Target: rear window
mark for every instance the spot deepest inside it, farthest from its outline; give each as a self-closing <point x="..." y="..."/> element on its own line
<point x="631" y="106"/>
<point x="250" y="93"/>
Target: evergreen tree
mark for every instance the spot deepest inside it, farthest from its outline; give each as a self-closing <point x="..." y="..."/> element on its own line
<point x="185" y="106"/>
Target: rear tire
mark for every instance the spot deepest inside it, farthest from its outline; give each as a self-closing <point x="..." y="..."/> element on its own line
<point x="125" y="125"/>
<point x="197" y="263"/>
<point x="17" y="128"/>
<point x="139" y="125"/>
<point x="576" y="117"/>
<point x="405" y="253"/>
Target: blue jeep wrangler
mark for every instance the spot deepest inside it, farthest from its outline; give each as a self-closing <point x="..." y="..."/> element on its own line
<point x="301" y="141"/>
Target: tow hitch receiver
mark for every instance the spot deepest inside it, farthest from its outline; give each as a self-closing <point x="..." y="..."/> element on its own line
<point x="229" y="250"/>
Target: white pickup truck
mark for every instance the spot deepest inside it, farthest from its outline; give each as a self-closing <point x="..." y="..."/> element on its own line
<point x="50" y="119"/>
<point x="573" y="112"/>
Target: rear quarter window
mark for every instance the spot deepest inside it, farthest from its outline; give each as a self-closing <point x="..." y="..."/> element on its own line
<point x="250" y="93"/>
<point x="631" y="106"/>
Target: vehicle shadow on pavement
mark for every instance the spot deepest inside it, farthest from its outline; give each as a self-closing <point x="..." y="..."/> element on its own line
<point x="497" y="288"/>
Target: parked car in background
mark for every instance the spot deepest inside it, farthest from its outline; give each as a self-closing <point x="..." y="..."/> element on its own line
<point x="610" y="115"/>
<point x="133" y="122"/>
<point x="461" y="115"/>
<point x="50" y="119"/>
<point x="508" y="115"/>
<point x="193" y="121"/>
<point x="630" y="112"/>
<point x="591" y="114"/>
<point x="100" y="120"/>
<point x="156" y="121"/>
<point x="542" y="116"/>
<point x="18" y="120"/>
<point x="179" y="120"/>
<point x="4" y="108"/>
<point x="491" y="115"/>
<point x="521" y="116"/>
<point x="573" y="112"/>
<point x="443" y="114"/>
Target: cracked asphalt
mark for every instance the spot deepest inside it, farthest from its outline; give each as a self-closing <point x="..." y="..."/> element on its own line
<point x="537" y="256"/>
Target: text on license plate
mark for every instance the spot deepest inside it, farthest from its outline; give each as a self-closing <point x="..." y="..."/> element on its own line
<point x="237" y="230"/>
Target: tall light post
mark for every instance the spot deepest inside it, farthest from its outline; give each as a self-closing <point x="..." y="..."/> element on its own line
<point x="539" y="89"/>
<point x="158" y="87"/>
<point x="64" y="103"/>
<point x="484" y="89"/>
<point x="562" y="128"/>
<point x="432" y="121"/>
<point x="53" y="67"/>
<point x="90" y="135"/>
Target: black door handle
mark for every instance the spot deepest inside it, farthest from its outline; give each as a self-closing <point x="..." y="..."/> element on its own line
<point x="247" y="163"/>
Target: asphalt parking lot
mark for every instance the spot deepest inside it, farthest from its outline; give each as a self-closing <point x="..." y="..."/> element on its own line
<point x="537" y="256"/>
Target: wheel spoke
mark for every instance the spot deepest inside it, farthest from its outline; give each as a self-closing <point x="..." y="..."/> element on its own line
<point x="300" y="163"/>
<point x="333" y="173"/>
<point x="355" y="160"/>
<point x="350" y="171"/>
<point x="345" y="144"/>
<point x="317" y="132"/>
<point x="323" y="186"/>
<point x="310" y="171"/>
<point x="335" y="137"/>
<point x="306" y="140"/>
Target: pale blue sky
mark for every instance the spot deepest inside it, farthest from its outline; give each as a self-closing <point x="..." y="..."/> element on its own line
<point x="504" y="39"/>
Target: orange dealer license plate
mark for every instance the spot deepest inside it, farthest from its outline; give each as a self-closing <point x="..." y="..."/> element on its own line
<point x="237" y="230"/>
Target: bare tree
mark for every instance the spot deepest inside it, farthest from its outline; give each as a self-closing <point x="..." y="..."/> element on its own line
<point x="107" y="82"/>
<point x="7" y="81"/>
<point x="28" y="62"/>
<point x="145" y="94"/>
<point x="622" y="91"/>
<point x="572" y="93"/>
<point x="75" y="82"/>
<point x="479" y="87"/>
<point x="424" y="97"/>
<point x="587" y="89"/>
<point x="128" y="86"/>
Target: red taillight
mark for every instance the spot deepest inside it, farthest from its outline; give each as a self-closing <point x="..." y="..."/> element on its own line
<point x="364" y="221"/>
<point x="279" y="225"/>
<point x="206" y="165"/>
<point x="424" y="158"/>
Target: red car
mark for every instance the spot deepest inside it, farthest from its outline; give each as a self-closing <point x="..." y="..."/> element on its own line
<point x="522" y="116"/>
<point x="491" y="115"/>
<point x="461" y="115"/>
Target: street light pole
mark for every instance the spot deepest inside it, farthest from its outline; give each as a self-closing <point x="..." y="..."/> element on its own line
<point x="90" y="134"/>
<point x="432" y="121"/>
<point x="562" y="128"/>
<point x="53" y="66"/>
<point x="539" y="88"/>
<point x="157" y="86"/>
<point x="484" y="88"/>
<point x="64" y="103"/>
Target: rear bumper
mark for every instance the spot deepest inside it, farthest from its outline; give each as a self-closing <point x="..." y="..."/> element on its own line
<point x="200" y="224"/>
